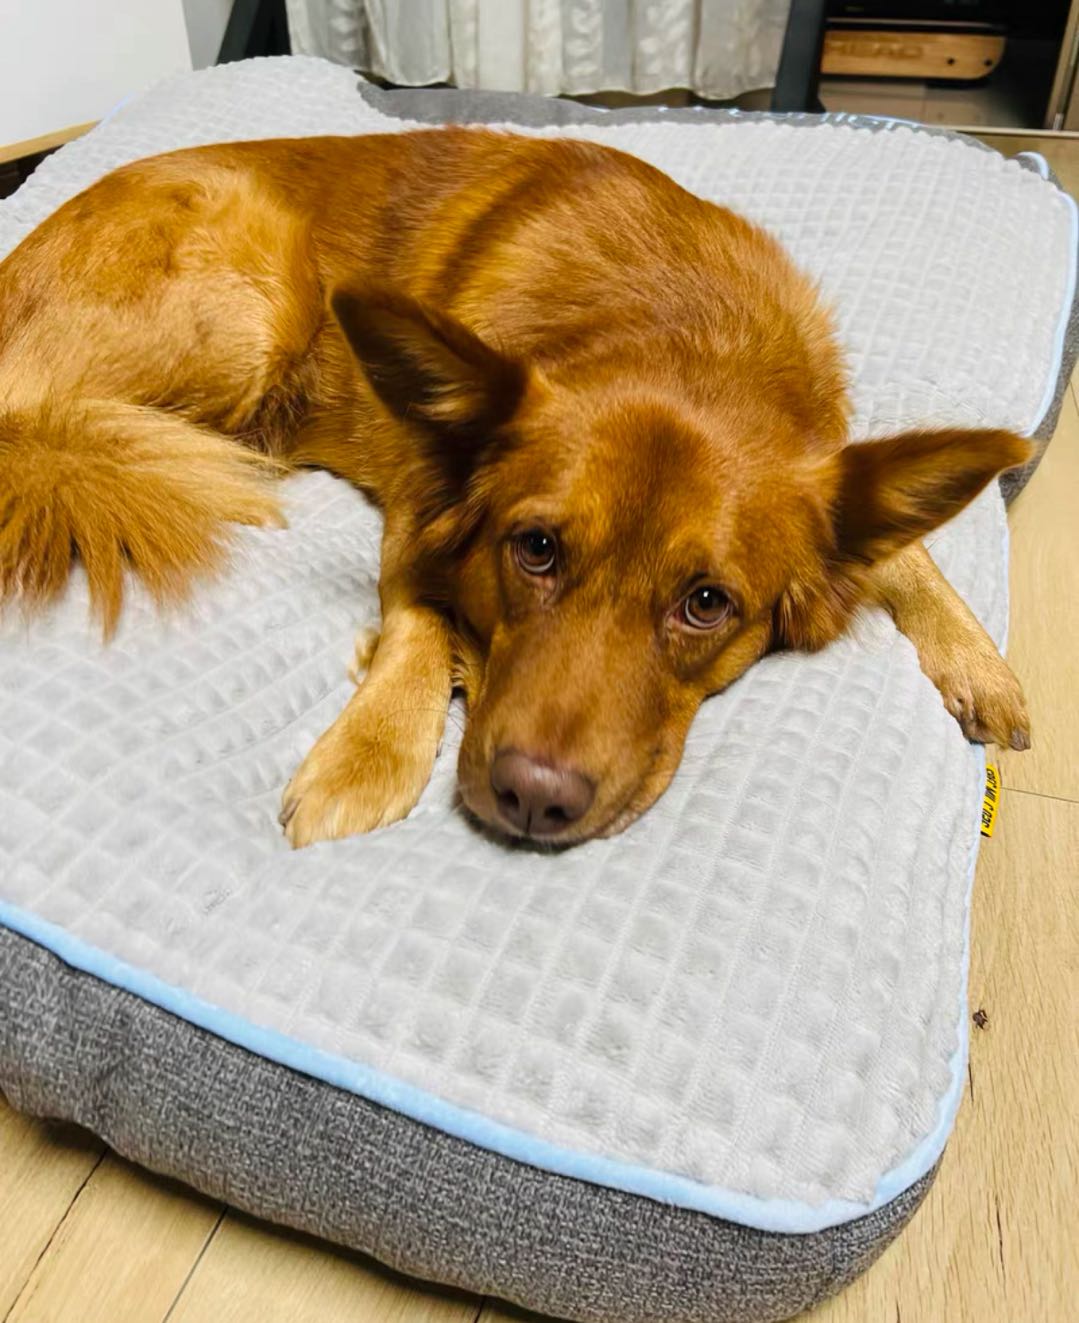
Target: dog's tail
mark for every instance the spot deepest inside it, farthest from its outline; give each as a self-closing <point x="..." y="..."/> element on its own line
<point x="119" y="486"/>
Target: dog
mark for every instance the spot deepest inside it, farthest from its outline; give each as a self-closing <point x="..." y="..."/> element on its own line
<point x="606" y="423"/>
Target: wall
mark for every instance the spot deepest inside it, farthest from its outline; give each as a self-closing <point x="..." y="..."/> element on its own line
<point x="64" y="62"/>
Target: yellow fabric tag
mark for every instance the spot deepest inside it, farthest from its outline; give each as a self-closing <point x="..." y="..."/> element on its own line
<point x="991" y="802"/>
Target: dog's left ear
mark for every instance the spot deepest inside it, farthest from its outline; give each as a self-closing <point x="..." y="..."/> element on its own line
<point x="889" y="494"/>
<point x="425" y="366"/>
<point x="894" y="491"/>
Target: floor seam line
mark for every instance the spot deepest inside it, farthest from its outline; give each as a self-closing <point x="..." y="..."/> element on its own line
<point x="53" y="1234"/>
<point x="1040" y="794"/>
<point x="198" y="1259"/>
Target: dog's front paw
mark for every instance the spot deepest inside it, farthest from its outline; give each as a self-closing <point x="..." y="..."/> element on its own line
<point x="356" y="778"/>
<point x="987" y="701"/>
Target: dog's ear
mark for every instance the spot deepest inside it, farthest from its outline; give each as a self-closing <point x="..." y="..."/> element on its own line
<point x="425" y="366"/>
<point x="899" y="489"/>
<point x="889" y="493"/>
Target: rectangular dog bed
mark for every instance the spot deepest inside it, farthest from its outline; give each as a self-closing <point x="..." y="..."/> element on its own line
<point x="701" y="1071"/>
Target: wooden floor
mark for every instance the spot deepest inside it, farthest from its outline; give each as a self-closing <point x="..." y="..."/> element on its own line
<point x="87" y="1238"/>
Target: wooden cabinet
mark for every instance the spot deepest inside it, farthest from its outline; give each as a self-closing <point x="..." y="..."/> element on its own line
<point x="1063" y="109"/>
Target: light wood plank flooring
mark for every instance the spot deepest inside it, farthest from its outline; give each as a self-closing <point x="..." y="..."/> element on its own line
<point x="87" y="1238"/>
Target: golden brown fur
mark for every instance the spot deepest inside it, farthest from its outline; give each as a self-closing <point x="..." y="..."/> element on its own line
<point x="513" y="345"/>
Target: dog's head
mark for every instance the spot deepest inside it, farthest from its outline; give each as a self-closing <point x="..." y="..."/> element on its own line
<point x="616" y="547"/>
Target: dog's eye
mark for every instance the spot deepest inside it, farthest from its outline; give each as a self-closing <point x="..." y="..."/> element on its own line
<point x="536" y="551"/>
<point x="706" y="607"/>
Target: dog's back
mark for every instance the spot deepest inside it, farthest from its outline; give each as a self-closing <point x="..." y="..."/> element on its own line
<point x="182" y="301"/>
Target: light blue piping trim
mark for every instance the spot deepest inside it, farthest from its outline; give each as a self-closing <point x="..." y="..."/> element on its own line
<point x="776" y="1215"/>
<point x="131" y="96"/>
<point x="784" y="1216"/>
<point x="1039" y="160"/>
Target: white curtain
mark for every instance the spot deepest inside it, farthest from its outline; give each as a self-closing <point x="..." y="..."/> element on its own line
<point x="718" y="48"/>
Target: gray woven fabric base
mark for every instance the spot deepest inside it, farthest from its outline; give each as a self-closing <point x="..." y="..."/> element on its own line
<point x="450" y="105"/>
<point x="297" y="1151"/>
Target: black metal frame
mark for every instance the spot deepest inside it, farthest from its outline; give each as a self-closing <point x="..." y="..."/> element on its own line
<point x="798" y="80"/>
<point x="255" y="27"/>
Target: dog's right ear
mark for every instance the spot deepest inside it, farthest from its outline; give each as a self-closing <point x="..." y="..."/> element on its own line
<point x="425" y="366"/>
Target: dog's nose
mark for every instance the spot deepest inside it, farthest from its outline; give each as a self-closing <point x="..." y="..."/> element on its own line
<point x="537" y="798"/>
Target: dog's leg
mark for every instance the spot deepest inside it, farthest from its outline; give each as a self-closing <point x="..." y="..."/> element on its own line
<point x="371" y="766"/>
<point x="955" y="652"/>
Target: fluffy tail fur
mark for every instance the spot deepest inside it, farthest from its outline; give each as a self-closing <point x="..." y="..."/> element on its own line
<point x="119" y="485"/>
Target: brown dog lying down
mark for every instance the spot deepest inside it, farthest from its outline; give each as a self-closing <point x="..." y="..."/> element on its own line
<point x="606" y="423"/>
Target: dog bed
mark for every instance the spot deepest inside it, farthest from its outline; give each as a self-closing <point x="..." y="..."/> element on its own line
<point x="702" y="1071"/>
